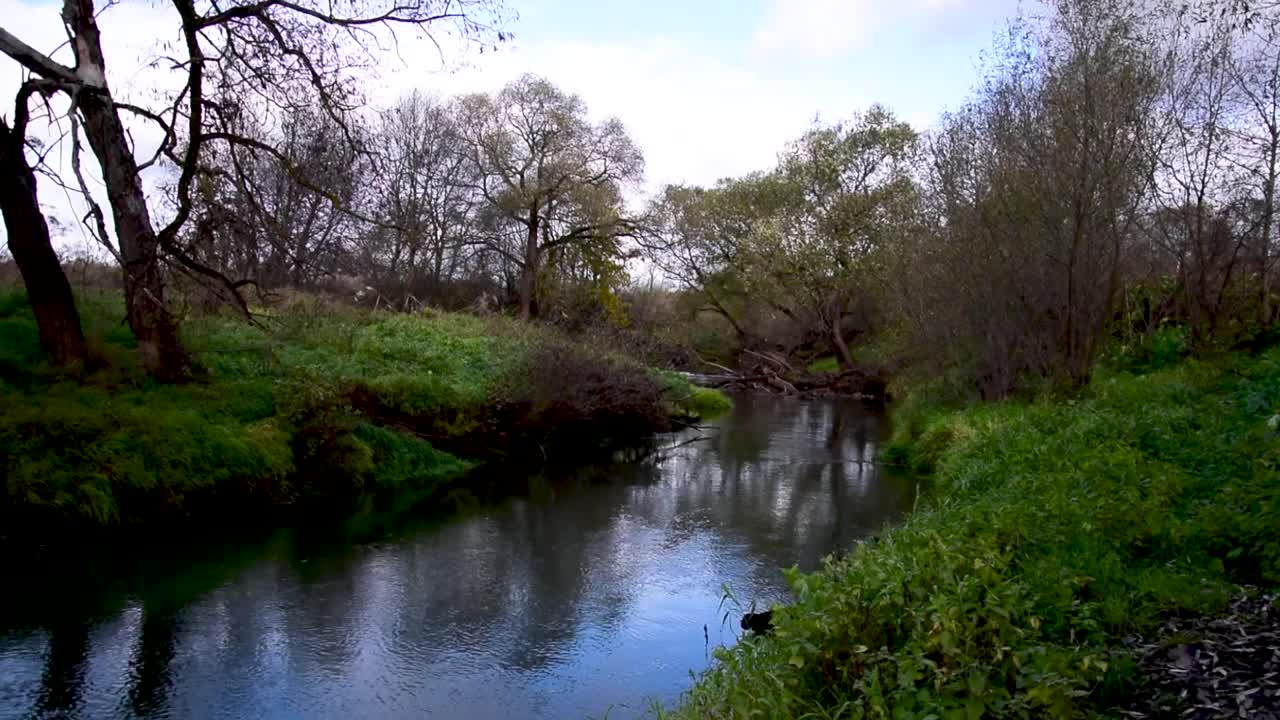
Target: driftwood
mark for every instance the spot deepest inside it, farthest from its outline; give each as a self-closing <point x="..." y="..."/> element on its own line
<point x="776" y="376"/>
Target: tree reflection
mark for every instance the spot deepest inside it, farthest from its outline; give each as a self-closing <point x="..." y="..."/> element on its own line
<point x="150" y="669"/>
<point x="508" y="595"/>
<point x="62" y="682"/>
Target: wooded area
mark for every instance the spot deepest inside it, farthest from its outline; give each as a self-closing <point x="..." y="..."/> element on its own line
<point x="1112" y="174"/>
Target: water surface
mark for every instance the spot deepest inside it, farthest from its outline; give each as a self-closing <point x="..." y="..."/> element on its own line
<point x="599" y="591"/>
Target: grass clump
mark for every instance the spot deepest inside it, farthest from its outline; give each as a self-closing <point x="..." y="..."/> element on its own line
<point x="1054" y="530"/>
<point x="708" y="403"/>
<point x="684" y="399"/>
<point x="827" y="364"/>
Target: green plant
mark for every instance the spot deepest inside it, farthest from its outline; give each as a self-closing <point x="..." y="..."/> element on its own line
<point x="1054" y="529"/>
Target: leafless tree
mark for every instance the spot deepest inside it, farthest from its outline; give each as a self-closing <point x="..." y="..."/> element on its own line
<point x="425" y="190"/>
<point x="268" y="54"/>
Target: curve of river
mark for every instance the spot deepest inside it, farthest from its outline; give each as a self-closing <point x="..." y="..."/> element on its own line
<point x="595" y="594"/>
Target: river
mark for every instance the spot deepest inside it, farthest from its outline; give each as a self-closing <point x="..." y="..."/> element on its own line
<point x="595" y="593"/>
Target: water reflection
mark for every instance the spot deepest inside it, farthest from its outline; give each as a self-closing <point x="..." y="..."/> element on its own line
<point x="590" y="594"/>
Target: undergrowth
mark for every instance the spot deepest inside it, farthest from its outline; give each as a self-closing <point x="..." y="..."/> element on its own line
<point x="1054" y="529"/>
<point x="317" y="406"/>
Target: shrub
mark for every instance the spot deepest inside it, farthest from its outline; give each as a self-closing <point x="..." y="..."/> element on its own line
<point x="691" y="401"/>
<point x="1157" y="350"/>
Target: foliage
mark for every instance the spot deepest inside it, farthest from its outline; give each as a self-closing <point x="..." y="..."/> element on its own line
<point x="1159" y="349"/>
<point x="802" y="241"/>
<point x="689" y="400"/>
<point x="1054" y="529"/>
<point x="826" y="364"/>
<point x="307" y="410"/>
<point x="550" y="182"/>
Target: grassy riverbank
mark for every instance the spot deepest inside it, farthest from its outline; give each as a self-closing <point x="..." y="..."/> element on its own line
<point x="1052" y="531"/>
<point x="320" y="407"/>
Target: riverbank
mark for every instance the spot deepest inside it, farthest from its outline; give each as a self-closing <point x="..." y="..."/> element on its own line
<point x="1053" y="531"/>
<point x="321" y="408"/>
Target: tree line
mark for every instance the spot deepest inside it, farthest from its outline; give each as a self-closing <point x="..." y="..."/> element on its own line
<point x="1113" y="172"/>
<point x="432" y="200"/>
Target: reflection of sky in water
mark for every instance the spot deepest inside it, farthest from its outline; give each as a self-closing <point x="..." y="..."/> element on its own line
<point x="592" y="593"/>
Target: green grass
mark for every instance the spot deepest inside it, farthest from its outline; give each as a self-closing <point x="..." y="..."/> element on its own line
<point x="693" y="401"/>
<point x="1052" y="530"/>
<point x="321" y="405"/>
<point x="828" y="364"/>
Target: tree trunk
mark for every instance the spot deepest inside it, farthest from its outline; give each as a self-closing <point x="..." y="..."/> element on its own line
<point x="837" y="339"/>
<point x="529" y="273"/>
<point x="153" y="326"/>
<point x="57" y="319"/>
<point x="1268" y="217"/>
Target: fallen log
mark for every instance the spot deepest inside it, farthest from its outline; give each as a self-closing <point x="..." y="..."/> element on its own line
<point x="851" y="383"/>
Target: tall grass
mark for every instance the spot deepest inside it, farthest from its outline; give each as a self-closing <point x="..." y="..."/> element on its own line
<point x="1054" y="529"/>
<point x="318" y="405"/>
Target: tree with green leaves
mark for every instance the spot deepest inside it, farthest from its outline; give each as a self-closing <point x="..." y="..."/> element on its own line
<point x="549" y="177"/>
<point x="846" y="194"/>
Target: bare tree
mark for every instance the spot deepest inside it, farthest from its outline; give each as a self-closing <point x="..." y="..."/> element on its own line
<point x="285" y="217"/>
<point x="426" y="189"/>
<point x="1255" y="69"/>
<point x="269" y="54"/>
<point x="1197" y="182"/>
<point x="1035" y="188"/>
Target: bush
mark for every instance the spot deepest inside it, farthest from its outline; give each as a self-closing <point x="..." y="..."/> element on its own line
<point x="684" y="399"/>
<point x="93" y="456"/>
<point x="560" y="392"/>
<point x="1154" y="351"/>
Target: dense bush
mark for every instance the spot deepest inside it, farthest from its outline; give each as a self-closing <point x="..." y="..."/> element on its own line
<point x="561" y="392"/>
<point x="1053" y="530"/>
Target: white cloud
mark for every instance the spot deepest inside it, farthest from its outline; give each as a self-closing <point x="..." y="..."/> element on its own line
<point x="819" y="28"/>
<point x="696" y="118"/>
<point x="828" y="29"/>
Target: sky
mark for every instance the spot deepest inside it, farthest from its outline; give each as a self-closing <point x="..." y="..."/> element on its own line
<point x="707" y="88"/>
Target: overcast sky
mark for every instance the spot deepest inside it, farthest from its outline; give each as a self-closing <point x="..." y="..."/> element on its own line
<point x="708" y="88"/>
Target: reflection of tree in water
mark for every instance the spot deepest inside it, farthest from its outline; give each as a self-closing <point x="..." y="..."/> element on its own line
<point x="791" y="481"/>
<point x="63" y="679"/>
<point x="520" y="587"/>
<point x="150" y="669"/>
<point x="520" y="579"/>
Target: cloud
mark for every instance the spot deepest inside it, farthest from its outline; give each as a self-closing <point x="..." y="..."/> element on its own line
<point x="696" y="117"/>
<point x="819" y="28"/>
<point x="829" y="29"/>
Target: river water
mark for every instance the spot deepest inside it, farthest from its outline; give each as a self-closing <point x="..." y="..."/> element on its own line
<point x="596" y="593"/>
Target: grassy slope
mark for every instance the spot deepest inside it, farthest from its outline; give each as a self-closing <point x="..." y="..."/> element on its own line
<point x="273" y="425"/>
<point x="1054" y="530"/>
